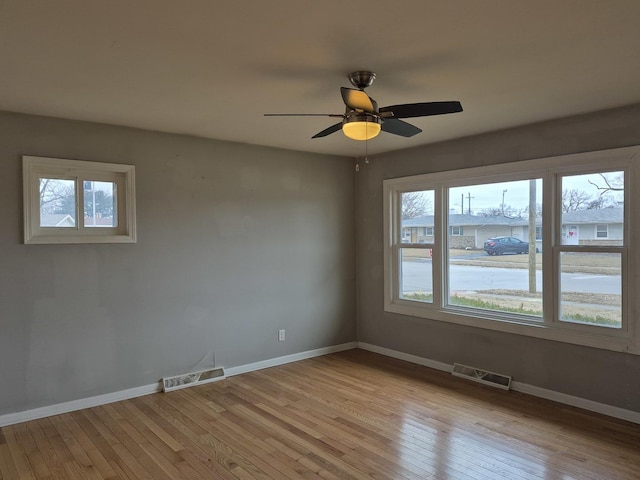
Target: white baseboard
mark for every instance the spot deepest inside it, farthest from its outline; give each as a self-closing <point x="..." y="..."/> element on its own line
<point x="289" y="358"/>
<point x="579" y="402"/>
<point x="445" y="367"/>
<point x="66" y="407"/>
<point x="559" y="397"/>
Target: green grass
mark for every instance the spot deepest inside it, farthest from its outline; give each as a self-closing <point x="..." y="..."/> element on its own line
<point x="476" y="303"/>
<point x="597" y="320"/>
<point x="485" y="305"/>
<point x="419" y="297"/>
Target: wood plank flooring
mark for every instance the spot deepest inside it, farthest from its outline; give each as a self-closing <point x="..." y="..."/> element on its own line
<point x="350" y="415"/>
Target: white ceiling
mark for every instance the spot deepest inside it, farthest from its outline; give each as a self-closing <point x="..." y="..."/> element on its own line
<point x="211" y="68"/>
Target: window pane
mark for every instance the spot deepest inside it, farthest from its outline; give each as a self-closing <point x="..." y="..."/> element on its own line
<point x="417" y="216"/>
<point x="491" y="266"/>
<point x="591" y="288"/>
<point x="593" y="209"/>
<point x="100" y="209"/>
<point x="416" y="280"/>
<point x="57" y="203"/>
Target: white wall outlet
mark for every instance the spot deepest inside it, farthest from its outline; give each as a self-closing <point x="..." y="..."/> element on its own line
<point x="281" y="335"/>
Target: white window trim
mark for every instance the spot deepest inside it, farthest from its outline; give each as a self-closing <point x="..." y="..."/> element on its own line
<point x="626" y="339"/>
<point x="122" y="175"/>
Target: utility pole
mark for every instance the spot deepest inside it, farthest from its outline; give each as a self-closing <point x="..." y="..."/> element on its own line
<point x="469" y="197"/>
<point x="503" y="192"/>
<point x="462" y="204"/>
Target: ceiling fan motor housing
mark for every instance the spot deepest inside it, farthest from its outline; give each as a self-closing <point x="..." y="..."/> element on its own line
<point x="362" y="117"/>
<point x="361" y="79"/>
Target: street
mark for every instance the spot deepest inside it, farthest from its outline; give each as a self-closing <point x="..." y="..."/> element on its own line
<point x="417" y="277"/>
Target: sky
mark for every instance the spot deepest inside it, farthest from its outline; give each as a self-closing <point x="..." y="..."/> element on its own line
<point x="516" y="194"/>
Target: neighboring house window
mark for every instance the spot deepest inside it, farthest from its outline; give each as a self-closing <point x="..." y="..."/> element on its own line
<point x="572" y="291"/>
<point x="602" y="231"/>
<point x="71" y="201"/>
<point x="429" y="231"/>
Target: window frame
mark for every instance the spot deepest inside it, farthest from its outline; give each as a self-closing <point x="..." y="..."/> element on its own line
<point x="550" y="169"/>
<point x="79" y="171"/>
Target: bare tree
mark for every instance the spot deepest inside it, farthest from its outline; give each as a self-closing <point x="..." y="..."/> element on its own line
<point x="492" y="212"/>
<point x="503" y="211"/>
<point x="415" y="204"/>
<point x="574" y="199"/>
<point x="601" y="201"/>
<point x="615" y="184"/>
<point x="54" y="193"/>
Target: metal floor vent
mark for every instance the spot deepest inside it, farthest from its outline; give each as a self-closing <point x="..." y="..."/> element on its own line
<point x="191" y="379"/>
<point x="482" y="376"/>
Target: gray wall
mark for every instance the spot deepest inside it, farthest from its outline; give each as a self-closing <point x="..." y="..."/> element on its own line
<point x="594" y="374"/>
<point x="234" y="243"/>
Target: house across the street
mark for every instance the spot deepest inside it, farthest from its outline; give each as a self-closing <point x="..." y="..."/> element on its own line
<point x="580" y="227"/>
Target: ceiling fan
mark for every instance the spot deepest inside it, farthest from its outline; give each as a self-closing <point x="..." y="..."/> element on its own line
<point x="363" y="119"/>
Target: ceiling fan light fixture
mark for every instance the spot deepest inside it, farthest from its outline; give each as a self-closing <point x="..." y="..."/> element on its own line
<point x="362" y="127"/>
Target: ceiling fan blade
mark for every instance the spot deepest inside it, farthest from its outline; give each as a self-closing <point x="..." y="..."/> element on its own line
<point x="357" y="100"/>
<point x="425" y="109"/>
<point x="328" y="131"/>
<point x="398" y="127"/>
<point x="304" y="115"/>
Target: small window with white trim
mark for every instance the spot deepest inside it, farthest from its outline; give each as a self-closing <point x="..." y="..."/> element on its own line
<point x="72" y="201"/>
<point x="455" y="230"/>
<point x="602" y="231"/>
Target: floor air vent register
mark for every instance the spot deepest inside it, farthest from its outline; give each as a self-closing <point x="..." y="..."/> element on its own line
<point x="192" y="379"/>
<point x="482" y="376"/>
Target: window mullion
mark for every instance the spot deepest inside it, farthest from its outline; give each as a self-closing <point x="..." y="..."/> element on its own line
<point x="80" y="201"/>
<point x="440" y="276"/>
<point x="551" y="202"/>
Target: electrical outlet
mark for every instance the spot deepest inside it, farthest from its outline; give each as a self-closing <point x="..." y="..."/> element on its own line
<point x="281" y="335"/>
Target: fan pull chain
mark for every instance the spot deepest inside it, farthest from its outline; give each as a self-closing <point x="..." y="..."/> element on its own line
<point x="366" y="150"/>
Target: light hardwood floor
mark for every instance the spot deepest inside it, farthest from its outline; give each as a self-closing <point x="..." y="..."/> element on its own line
<point x="353" y="414"/>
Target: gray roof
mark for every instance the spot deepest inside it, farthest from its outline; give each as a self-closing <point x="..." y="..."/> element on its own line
<point x="55" y="219"/>
<point x="461" y="219"/>
<point x="599" y="215"/>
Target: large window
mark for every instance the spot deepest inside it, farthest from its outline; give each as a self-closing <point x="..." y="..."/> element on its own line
<point x="493" y="268"/>
<point x="538" y="248"/>
<point x="70" y="201"/>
